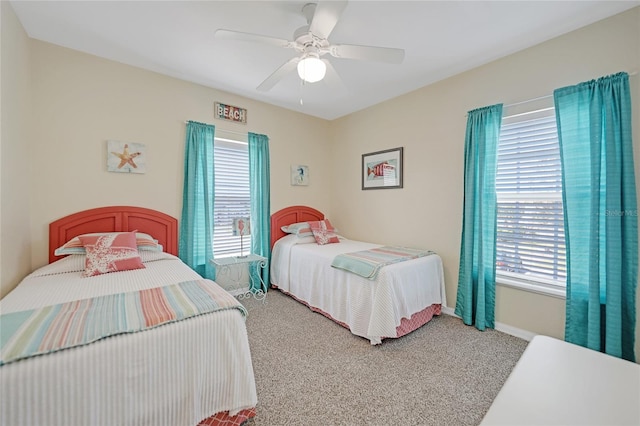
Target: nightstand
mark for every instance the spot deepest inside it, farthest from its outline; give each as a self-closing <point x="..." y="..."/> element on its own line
<point x="231" y="268"/>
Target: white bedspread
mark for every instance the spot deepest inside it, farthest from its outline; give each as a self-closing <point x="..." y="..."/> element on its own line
<point x="176" y="374"/>
<point x="371" y="309"/>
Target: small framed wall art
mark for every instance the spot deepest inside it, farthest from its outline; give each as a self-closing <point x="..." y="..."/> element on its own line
<point x="126" y="157"/>
<point x="299" y="175"/>
<point x="382" y="169"/>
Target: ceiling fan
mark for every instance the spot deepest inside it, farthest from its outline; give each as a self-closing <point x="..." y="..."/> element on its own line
<point x="311" y="42"/>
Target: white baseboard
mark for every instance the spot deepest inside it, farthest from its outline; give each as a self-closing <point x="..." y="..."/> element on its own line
<point x="514" y="331"/>
<point x="449" y="311"/>
<point x="504" y="328"/>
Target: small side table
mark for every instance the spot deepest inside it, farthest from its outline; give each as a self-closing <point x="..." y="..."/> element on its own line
<point x="241" y="288"/>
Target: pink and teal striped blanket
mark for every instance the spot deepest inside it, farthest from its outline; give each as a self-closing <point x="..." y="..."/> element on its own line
<point x="367" y="263"/>
<point x="66" y="325"/>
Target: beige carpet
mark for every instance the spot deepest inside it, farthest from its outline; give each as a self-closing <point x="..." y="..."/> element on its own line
<point x="311" y="371"/>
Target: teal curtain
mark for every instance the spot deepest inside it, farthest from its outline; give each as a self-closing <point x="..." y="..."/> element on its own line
<point x="196" y="224"/>
<point x="600" y="214"/>
<point x="260" y="205"/>
<point x="475" y="302"/>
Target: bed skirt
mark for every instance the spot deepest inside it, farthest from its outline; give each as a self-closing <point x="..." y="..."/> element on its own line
<point x="224" y="419"/>
<point x="407" y="325"/>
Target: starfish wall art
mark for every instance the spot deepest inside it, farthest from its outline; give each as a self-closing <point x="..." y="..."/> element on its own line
<point x="126" y="157"/>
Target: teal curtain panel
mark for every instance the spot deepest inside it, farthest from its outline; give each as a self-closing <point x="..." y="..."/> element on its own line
<point x="259" y="186"/>
<point x="195" y="246"/>
<point x="601" y="214"/>
<point x="475" y="302"/>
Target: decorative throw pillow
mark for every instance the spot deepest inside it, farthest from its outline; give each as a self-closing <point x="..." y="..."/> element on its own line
<point x="324" y="232"/>
<point x="110" y="253"/>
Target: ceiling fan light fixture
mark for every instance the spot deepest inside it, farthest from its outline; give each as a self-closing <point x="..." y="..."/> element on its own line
<point x="311" y="69"/>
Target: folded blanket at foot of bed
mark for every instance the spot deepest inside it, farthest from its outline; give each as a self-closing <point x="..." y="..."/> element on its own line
<point x="367" y="263"/>
<point x="76" y="323"/>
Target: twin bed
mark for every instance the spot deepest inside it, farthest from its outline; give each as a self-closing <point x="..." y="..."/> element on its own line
<point x="554" y="382"/>
<point x="187" y="371"/>
<point x="400" y="298"/>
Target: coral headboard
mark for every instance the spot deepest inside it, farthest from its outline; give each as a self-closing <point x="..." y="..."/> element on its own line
<point x="159" y="225"/>
<point x="290" y="215"/>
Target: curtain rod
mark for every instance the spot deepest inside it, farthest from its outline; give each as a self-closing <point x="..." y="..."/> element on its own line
<point x="548" y="96"/>
<point x="539" y="98"/>
<point x="222" y="130"/>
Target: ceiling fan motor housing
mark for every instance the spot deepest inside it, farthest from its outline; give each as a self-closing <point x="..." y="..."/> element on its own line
<point x="305" y="40"/>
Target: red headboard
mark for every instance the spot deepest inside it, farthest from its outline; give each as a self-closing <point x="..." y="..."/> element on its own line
<point x="290" y="215"/>
<point x="160" y="226"/>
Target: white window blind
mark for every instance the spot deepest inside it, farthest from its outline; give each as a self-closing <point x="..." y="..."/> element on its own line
<point x="530" y="244"/>
<point x="232" y="197"/>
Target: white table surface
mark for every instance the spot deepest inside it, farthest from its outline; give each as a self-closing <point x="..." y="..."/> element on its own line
<point x="558" y="383"/>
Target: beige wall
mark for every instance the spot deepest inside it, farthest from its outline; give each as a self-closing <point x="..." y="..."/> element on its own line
<point x="430" y="124"/>
<point x="15" y="162"/>
<point x="83" y="101"/>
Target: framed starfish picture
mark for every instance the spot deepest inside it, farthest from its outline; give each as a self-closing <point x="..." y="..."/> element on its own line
<point x="126" y="157"/>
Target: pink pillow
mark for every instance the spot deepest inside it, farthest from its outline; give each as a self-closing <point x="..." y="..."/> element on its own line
<point x="324" y="232"/>
<point x="110" y="253"/>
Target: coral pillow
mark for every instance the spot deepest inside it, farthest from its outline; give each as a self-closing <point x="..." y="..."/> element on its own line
<point x="110" y="253"/>
<point x="324" y="232"/>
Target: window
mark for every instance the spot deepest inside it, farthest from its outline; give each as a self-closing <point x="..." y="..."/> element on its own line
<point x="232" y="197"/>
<point x="530" y="243"/>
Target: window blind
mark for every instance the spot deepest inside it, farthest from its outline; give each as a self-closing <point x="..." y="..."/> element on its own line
<point x="232" y="197"/>
<point x="530" y="241"/>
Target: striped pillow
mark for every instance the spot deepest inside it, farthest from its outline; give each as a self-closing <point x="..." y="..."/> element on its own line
<point x="74" y="245"/>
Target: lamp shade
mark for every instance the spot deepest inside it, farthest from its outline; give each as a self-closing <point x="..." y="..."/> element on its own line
<point x="311" y="69"/>
<point x="241" y="226"/>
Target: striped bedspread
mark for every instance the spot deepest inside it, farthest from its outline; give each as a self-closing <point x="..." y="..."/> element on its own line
<point x="367" y="263"/>
<point x="53" y="328"/>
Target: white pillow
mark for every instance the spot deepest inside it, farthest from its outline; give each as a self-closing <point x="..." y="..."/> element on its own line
<point x="294" y="239"/>
<point x="301" y="229"/>
<point x="74" y="245"/>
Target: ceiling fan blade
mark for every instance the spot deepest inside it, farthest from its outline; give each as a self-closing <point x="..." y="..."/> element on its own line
<point x="326" y="17"/>
<point x="367" y="53"/>
<point x="256" y="38"/>
<point x="332" y="78"/>
<point x="278" y="74"/>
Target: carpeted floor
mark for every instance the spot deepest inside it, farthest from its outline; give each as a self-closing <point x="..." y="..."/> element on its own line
<point x="311" y="371"/>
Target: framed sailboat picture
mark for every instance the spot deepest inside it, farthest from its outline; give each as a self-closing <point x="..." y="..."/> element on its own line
<point x="382" y="169"/>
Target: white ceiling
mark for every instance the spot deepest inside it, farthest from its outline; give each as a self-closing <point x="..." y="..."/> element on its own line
<point x="176" y="38"/>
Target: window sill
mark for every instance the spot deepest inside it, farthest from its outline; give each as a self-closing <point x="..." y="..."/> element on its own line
<point x="531" y="286"/>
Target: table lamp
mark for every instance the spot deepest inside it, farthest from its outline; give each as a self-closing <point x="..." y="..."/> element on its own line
<point x="241" y="227"/>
